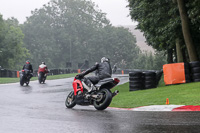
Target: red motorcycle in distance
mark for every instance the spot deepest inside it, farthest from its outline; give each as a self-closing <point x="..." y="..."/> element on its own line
<point x="100" y="96"/>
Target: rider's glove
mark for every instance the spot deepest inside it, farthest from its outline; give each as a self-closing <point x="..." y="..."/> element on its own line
<point x="80" y="76"/>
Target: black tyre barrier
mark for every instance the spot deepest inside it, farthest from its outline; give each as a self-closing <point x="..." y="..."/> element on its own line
<point x="150" y="74"/>
<point x="134" y="78"/>
<point x="194" y="64"/>
<point x="186" y="65"/>
<point x="149" y="86"/>
<point x="150" y="80"/>
<point x="187" y="78"/>
<point x="135" y="82"/>
<point x="195" y="70"/>
<point x="135" y="74"/>
<point x="187" y="74"/>
<point x="135" y="87"/>
<point x="187" y="71"/>
<point x="196" y="80"/>
<point x="158" y="76"/>
<point x="196" y="76"/>
<point x="188" y="81"/>
<point x="139" y="80"/>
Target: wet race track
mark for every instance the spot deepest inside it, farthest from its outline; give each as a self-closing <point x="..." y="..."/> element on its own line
<point x="40" y="108"/>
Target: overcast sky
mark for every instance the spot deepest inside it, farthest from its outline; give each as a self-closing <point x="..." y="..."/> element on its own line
<point x="116" y="10"/>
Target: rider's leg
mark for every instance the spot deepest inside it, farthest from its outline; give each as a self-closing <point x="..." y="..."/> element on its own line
<point x="93" y="80"/>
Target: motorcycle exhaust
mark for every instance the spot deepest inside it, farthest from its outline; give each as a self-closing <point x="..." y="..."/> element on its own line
<point x="115" y="93"/>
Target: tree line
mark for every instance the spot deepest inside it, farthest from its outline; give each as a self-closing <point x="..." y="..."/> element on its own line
<point x="171" y="26"/>
<point x="71" y="31"/>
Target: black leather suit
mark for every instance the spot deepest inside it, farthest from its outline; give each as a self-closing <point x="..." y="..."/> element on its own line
<point x="103" y="70"/>
<point x="28" y="67"/>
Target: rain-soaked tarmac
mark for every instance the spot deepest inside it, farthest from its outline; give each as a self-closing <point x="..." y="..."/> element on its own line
<point x="39" y="108"/>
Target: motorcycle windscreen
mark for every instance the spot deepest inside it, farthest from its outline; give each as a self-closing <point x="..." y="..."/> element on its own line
<point x="174" y="73"/>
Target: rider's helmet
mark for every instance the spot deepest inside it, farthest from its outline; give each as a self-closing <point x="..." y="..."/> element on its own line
<point x="104" y="59"/>
<point x="27" y="62"/>
<point x="43" y="63"/>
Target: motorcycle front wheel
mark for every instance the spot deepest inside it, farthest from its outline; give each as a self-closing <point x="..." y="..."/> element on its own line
<point x="70" y="100"/>
<point x="104" y="100"/>
<point x="28" y="80"/>
<point x="21" y="81"/>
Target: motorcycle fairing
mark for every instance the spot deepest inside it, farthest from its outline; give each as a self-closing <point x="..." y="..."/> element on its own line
<point x="77" y="85"/>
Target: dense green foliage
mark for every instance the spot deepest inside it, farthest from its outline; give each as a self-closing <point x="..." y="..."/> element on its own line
<point x="65" y="30"/>
<point x="162" y="26"/>
<point x="150" y="61"/>
<point x="11" y="44"/>
<point x="71" y="31"/>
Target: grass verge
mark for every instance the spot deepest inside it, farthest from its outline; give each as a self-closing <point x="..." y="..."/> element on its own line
<point x="15" y="80"/>
<point x="181" y="94"/>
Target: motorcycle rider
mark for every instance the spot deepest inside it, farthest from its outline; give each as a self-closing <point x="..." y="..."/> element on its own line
<point x="29" y="67"/>
<point x="103" y="70"/>
<point x="43" y="68"/>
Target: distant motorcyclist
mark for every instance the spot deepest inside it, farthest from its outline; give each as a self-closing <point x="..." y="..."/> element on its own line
<point x="29" y="67"/>
<point x="103" y="70"/>
<point x="43" y="68"/>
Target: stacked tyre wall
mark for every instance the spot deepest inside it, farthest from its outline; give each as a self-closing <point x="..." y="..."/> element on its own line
<point x="140" y="80"/>
<point x="136" y="81"/>
<point x="187" y="73"/>
<point x="195" y="71"/>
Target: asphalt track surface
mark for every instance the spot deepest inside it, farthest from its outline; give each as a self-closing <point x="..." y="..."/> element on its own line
<point x="39" y="108"/>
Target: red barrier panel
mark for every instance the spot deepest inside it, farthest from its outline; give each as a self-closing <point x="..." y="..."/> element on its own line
<point x="174" y="73"/>
<point x="18" y="74"/>
<point x="79" y="70"/>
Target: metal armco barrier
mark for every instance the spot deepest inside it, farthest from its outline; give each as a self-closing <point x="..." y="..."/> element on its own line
<point x="8" y="73"/>
<point x="14" y="74"/>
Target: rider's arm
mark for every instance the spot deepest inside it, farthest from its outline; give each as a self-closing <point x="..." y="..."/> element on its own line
<point x="93" y="68"/>
<point x="31" y="68"/>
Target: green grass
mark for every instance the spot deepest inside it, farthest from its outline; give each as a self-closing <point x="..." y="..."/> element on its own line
<point x="181" y="94"/>
<point x="15" y="80"/>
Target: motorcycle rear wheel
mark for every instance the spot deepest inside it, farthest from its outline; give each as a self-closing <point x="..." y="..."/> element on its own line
<point x="70" y="100"/>
<point x="104" y="101"/>
<point x="40" y="78"/>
